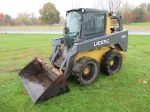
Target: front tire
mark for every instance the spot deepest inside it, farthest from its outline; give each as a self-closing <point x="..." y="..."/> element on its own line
<point x="86" y="70"/>
<point x="111" y="62"/>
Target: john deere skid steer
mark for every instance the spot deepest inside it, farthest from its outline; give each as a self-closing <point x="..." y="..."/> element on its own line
<point x="94" y="41"/>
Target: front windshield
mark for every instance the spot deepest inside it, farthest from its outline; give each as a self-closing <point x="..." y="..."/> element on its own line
<point x="72" y="27"/>
<point x="73" y="20"/>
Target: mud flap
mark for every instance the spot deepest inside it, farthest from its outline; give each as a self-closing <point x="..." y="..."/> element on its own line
<point x="42" y="81"/>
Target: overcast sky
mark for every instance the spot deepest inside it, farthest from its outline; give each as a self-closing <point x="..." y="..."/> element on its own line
<point x="13" y="7"/>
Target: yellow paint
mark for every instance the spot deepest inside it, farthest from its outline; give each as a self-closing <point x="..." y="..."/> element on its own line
<point x="51" y="64"/>
<point x="86" y="71"/>
<point x="96" y="54"/>
<point x="61" y="71"/>
<point x="111" y="62"/>
<point x="108" y="23"/>
<point x="62" y="46"/>
<point x="123" y="54"/>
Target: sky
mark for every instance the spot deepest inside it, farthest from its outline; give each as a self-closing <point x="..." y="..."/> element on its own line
<point x="13" y="7"/>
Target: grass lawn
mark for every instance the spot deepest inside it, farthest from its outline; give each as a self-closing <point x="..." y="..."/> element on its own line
<point x="138" y="26"/>
<point x="121" y="92"/>
<point x="34" y="28"/>
<point x="141" y="24"/>
<point x="132" y="26"/>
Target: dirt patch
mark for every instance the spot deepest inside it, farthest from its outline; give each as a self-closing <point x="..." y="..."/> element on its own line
<point x="27" y="53"/>
<point x="9" y="71"/>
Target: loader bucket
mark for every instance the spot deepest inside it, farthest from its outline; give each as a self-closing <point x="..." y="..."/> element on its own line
<point x="42" y="81"/>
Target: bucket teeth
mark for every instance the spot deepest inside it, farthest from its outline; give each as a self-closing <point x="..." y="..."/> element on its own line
<point x="43" y="81"/>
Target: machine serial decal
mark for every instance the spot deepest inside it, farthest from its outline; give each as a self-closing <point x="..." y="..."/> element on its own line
<point x="101" y="42"/>
<point x="123" y="36"/>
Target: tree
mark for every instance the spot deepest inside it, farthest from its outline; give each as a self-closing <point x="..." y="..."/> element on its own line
<point x="62" y="20"/>
<point x="49" y="14"/>
<point x="7" y="18"/>
<point x="147" y="16"/>
<point x="148" y="7"/>
<point x="33" y="19"/>
<point x="23" y="18"/>
<point x="142" y="5"/>
<point x="112" y="5"/>
<point x="12" y="23"/>
<point x="129" y="17"/>
<point x="140" y="14"/>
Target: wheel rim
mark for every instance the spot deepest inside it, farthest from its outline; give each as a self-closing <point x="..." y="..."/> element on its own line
<point x="114" y="63"/>
<point x="88" y="71"/>
<point x="111" y="62"/>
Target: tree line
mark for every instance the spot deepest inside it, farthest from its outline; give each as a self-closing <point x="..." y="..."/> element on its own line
<point x="50" y="15"/>
<point x="140" y="13"/>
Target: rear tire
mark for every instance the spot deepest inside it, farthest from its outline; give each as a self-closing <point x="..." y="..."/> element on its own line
<point x="86" y="70"/>
<point x="111" y="62"/>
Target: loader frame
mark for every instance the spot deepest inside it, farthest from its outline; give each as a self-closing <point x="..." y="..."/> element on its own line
<point x="89" y="45"/>
<point x="119" y="40"/>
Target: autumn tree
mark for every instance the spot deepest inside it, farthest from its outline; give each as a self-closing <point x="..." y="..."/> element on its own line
<point x="143" y="5"/>
<point x="148" y="7"/>
<point x="62" y="20"/>
<point x="129" y="17"/>
<point x="49" y="14"/>
<point x="147" y="17"/>
<point x="33" y="19"/>
<point x="7" y="18"/>
<point x="126" y="12"/>
<point x="140" y="14"/>
<point x="23" y="18"/>
<point x="12" y="22"/>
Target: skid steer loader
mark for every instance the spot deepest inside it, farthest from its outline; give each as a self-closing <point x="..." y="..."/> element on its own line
<point x="90" y="45"/>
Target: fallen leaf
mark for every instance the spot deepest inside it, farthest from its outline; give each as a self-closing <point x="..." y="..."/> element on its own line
<point x="145" y="81"/>
<point x="58" y="102"/>
<point x="24" y="92"/>
<point x="145" y="91"/>
<point x="139" y="80"/>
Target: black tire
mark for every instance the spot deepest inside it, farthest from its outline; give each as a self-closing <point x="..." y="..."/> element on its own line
<point x="86" y="70"/>
<point x="111" y="62"/>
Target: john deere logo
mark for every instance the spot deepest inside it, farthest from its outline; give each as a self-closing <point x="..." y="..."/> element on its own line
<point x="101" y="42"/>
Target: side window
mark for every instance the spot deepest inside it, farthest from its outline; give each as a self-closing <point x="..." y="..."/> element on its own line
<point x="99" y="23"/>
<point x="114" y="25"/>
<point x="95" y="26"/>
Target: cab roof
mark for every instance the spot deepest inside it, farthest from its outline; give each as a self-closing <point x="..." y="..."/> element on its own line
<point x="88" y="10"/>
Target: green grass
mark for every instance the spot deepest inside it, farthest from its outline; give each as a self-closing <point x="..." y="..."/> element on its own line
<point x="132" y="26"/>
<point x="141" y="24"/>
<point x="138" y="26"/>
<point x="120" y="92"/>
<point x="34" y="28"/>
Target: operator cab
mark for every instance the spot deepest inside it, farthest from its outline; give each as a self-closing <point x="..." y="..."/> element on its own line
<point x="84" y="24"/>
